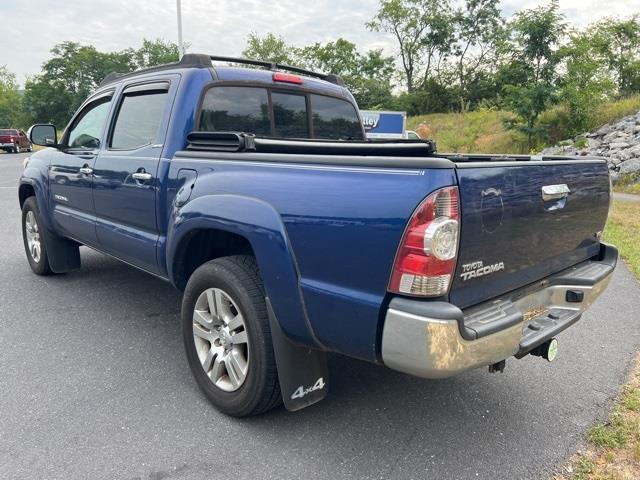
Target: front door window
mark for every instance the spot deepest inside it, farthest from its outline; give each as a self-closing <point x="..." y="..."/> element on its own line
<point x="87" y="130"/>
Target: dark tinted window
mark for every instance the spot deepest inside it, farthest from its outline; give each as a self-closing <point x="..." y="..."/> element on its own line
<point x="236" y="109"/>
<point x="138" y="120"/>
<point x="334" y="119"/>
<point x="290" y="115"/>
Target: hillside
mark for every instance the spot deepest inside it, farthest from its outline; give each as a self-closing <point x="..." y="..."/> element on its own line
<point x="483" y="131"/>
<point x="480" y="131"/>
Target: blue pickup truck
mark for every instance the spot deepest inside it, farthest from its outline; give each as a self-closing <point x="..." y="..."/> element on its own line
<point x="254" y="191"/>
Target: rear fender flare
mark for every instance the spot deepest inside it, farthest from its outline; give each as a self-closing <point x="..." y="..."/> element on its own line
<point x="262" y="226"/>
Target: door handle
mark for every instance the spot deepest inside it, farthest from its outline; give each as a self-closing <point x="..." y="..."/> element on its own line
<point x="86" y="170"/>
<point x="555" y="192"/>
<point x="142" y="176"/>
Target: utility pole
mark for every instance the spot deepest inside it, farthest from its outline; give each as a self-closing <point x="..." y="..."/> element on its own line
<point x="180" y="44"/>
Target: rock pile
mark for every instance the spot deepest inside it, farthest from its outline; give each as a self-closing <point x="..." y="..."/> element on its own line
<point x="618" y="142"/>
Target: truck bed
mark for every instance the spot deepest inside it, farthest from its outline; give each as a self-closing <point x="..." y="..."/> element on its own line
<point x="345" y="206"/>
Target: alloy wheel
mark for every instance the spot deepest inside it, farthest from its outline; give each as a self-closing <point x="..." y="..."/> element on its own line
<point x="221" y="341"/>
<point x="33" y="236"/>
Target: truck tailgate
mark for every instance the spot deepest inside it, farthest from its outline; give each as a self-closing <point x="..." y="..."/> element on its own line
<point x="511" y="236"/>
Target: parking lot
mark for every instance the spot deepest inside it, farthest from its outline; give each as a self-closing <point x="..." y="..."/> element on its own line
<point x="94" y="384"/>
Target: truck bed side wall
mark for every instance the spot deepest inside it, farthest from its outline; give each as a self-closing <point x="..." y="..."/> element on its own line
<point x="325" y="237"/>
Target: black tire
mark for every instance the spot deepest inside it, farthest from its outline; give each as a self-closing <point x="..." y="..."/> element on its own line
<point x="41" y="265"/>
<point x="239" y="278"/>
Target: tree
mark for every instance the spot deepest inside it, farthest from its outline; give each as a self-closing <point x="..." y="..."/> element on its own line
<point x="479" y="29"/>
<point x="68" y="77"/>
<point x="423" y="30"/>
<point x="270" y="48"/>
<point x="10" y="100"/>
<point x="619" y="42"/>
<point x="156" y="52"/>
<point x="531" y="72"/>
<point x="367" y="76"/>
<point x="585" y="84"/>
<point x="75" y="70"/>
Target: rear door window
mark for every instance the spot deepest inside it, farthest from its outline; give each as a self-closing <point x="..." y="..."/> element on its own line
<point x="236" y="109"/>
<point x="138" y="119"/>
<point x="290" y="115"/>
<point x="334" y="119"/>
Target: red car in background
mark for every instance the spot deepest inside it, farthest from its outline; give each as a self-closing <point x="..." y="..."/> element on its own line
<point x="13" y="140"/>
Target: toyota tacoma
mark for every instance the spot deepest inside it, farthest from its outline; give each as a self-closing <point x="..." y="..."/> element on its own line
<point x="255" y="192"/>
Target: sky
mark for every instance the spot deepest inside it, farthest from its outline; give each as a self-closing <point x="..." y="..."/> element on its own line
<point x="30" y="28"/>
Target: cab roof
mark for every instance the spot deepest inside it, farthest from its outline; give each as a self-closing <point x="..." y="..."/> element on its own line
<point x="320" y="82"/>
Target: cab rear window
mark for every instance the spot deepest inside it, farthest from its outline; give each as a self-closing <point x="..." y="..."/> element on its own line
<point x="334" y="119"/>
<point x="278" y="114"/>
<point x="8" y="132"/>
<point x="290" y="119"/>
<point x="236" y="109"/>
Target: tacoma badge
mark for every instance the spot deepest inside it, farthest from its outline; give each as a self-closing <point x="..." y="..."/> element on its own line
<point x="478" y="269"/>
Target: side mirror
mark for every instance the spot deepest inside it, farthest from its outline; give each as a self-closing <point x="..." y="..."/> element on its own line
<point x="43" y="134"/>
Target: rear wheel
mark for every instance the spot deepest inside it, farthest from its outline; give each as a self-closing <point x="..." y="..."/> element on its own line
<point x="16" y="148"/>
<point x="227" y="337"/>
<point x="33" y="239"/>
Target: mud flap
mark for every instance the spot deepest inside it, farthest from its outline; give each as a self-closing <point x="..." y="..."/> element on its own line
<point x="64" y="254"/>
<point x="302" y="371"/>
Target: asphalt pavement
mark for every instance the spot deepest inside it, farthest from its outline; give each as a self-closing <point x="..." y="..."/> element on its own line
<point x="626" y="197"/>
<point x="94" y="384"/>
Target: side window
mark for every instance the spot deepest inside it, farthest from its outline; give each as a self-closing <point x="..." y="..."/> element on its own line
<point x="334" y="119"/>
<point x="290" y="115"/>
<point x="138" y="119"/>
<point x="87" y="128"/>
<point x="236" y="109"/>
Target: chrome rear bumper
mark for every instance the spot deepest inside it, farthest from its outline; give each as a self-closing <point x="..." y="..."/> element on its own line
<point x="437" y="340"/>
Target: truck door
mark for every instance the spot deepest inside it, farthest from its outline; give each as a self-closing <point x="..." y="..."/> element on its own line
<point x="126" y="186"/>
<point x="71" y="170"/>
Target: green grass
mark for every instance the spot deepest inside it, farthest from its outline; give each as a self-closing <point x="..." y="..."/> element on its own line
<point x="483" y="131"/>
<point x="609" y="435"/>
<point x="623" y="230"/>
<point x="480" y="131"/>
<point x="629" y="183"/>
<point x="632" y="401"/>
<point x="612" y="111"/>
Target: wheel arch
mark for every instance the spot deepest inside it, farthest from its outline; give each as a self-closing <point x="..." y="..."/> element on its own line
<point x="200" y="245"/>
<point x="241" y="224"/>
<point x="25" y="191"/>
<point x="31" y="185"/>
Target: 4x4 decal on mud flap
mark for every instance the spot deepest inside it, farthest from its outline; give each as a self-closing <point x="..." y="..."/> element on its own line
<point x="301" y="391"/>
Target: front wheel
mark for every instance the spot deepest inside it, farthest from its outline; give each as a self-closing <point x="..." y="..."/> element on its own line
<point x="33" y="239"/>
<point x="227" y="337"/>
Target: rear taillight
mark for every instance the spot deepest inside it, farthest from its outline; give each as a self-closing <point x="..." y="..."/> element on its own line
<point x="426" y="258"/>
